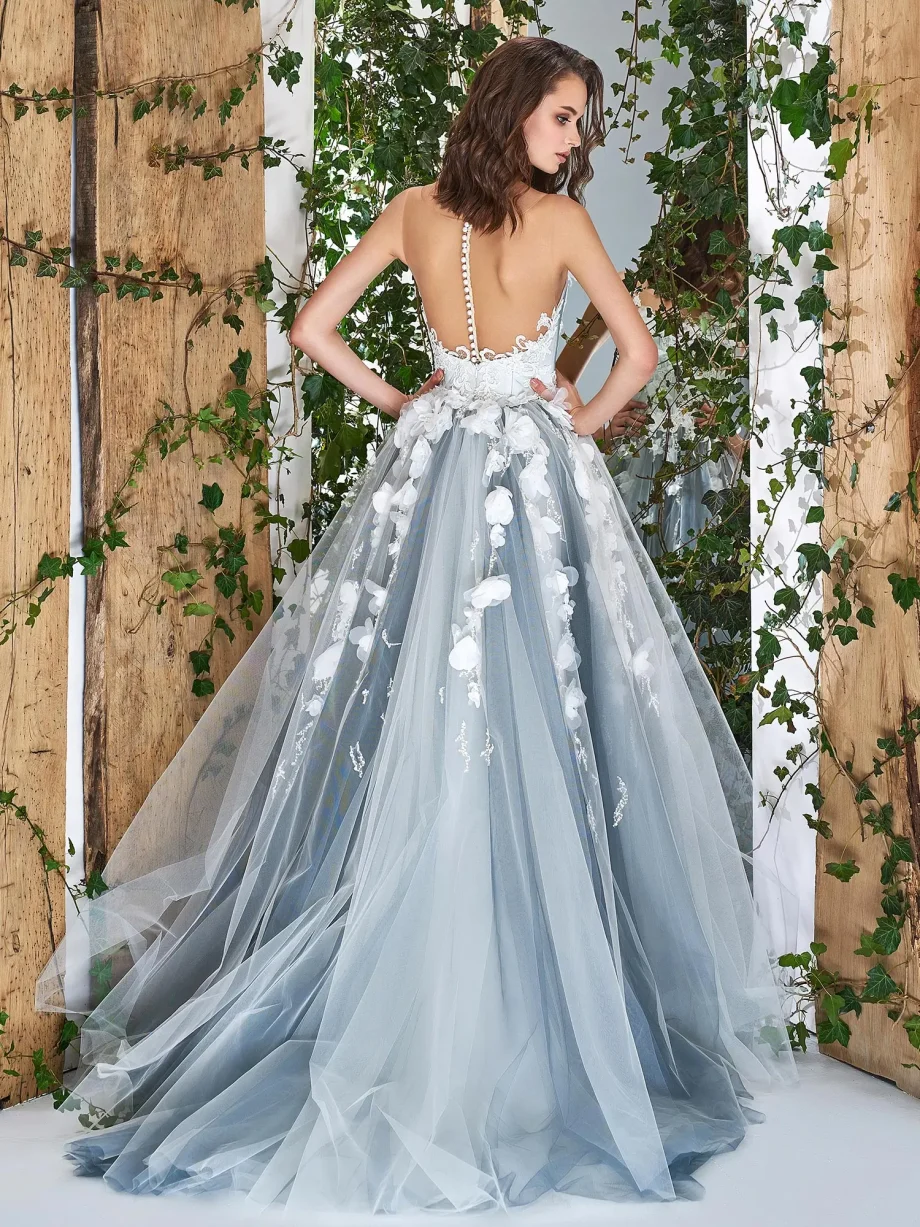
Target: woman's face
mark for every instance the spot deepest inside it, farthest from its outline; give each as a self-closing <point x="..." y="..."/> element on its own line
<point x="551" y="131"/>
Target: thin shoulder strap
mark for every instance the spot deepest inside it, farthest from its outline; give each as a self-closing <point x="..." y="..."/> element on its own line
<point x="475" y="355"/>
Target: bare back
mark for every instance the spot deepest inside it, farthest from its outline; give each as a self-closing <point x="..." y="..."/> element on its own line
<point x="514" y="279"/>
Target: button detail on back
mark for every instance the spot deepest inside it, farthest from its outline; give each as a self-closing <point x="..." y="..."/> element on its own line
<point x="475" y="355"/>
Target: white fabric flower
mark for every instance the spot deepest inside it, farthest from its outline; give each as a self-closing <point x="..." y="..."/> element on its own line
<point x="348" y="596"/>
<point x="382" y="498"/>
<point x="543" y="528"/>
<point x="499" y="507"/>
<point x="497" y="535"/>
<point x="419" y="457"/>
<point x="582" y="481"/>
<point x="567" y="656"/>
<point x="521" y="432"/>
<point x="436" y="412"/>
<point x="496" y="462"/>
<point x="491" y="591"/>
<point x="483" y="418"/>
<point x="465" y="654"/>
<point x="557" y="581"/>
<point x="325" y="664"/>
<point x="430" y="415"/>
<point x="378" y="596"/>
<point x="406" y="496"/>
<point x="533" y="478"/>
<point x="315" y="706"/>
<point x="363" y="636"/>
<point x="641" y="663"/>
<point x="559" y="409"/>
<point x="572" y="698"/>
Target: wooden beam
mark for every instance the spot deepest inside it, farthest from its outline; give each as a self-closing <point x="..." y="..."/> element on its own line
<point x="868" y="686"/>
<point x="138" y="705"/>
<point x="34" y="519"/>
<point x="482" y="15"/>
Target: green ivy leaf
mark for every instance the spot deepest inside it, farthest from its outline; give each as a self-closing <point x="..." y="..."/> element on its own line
<point x="887" y="936"/>
<point x="198" y="609"/>
<point x="842" y="870"/>
<point x="299" y="549"/>
<point x="812" y="304"/>
<point x="839" y="157"/>
<point x="200" y="660"/>
<point x="792" y="238"/>
<point x="905" y="590"/>
<point x="211" y="496"/>
<point x="834" y="1031"/>
<point x="179" y="580"/>
<point x="879" y="985"/>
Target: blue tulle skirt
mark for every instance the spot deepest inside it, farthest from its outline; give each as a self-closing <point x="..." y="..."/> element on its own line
<point x="445" y="901"/>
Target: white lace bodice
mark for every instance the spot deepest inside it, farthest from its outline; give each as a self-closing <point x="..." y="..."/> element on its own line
<point x="481" y="372"/>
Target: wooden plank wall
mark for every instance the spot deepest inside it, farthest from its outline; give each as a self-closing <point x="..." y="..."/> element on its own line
<point x="34" y="514"/>
<point x="485" y="14"/>
<point x="138" y="702"/>
<point x="869" y="685"/>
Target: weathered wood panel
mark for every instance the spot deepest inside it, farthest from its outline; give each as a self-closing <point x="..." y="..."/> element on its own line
<point x="868" y="686"/>
<point x="482" y="15"/>
<point x="34" y="514"/>
<point x="138" y="702"/>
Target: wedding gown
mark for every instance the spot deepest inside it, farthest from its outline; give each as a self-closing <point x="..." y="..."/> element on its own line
<point x="671" y="437"/>
<point x="441" y="904"/>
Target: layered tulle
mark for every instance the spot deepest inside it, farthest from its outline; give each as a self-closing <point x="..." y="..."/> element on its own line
<point x="441" y="905"/>
<point x="679" y="512"/>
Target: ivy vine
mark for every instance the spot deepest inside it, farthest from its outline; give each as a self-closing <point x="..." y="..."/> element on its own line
<point x="702" y="174"/>
<point x="388" y="82"/>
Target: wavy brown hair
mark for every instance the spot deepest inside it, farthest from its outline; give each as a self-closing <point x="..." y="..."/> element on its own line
<point x="485" y="158"/>
<point x="704" y="271"/>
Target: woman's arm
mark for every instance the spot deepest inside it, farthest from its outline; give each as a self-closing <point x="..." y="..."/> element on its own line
<point x="315" y="327"/>
<point x="584" y="254"/>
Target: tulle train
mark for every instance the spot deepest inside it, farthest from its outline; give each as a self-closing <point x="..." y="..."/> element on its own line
<point x="441" y="905"/>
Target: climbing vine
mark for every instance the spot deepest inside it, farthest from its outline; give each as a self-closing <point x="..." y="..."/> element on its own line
<point x="369" y="144"/>
<point x="701" y="175"/>
<point x="388" y="81"/>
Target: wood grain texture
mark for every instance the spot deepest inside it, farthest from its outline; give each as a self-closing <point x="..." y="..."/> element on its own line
<point x="34" y="516"/>
<point x="482" y="15"/>
<point x="138" y="706"/>
<point x="869" y="685"/>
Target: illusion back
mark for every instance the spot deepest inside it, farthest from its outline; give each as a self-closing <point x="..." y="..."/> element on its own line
<point x="491" y="303"/>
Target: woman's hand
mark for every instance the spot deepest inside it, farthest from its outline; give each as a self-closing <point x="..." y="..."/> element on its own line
<point x="629" y="420"/>
<point x="626" y="422"/>
<point x="737" y="445"/>
<point x="705" y="416"/>
<point x="431" y="382"/>
<point x="572" y="395"/>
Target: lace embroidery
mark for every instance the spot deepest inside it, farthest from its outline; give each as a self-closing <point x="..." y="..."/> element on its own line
<point x="522" y="344"/>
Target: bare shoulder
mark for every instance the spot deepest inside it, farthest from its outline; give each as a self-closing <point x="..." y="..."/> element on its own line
<point x="571" y="215"/>
<point x="389" y="228"/>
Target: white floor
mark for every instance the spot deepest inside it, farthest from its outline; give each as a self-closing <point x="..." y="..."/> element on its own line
<point x="823" y="1149"/>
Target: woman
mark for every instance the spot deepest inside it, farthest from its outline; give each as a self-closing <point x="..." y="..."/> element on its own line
<point x="666" y="429"/>
<point x="441" y="905"/>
